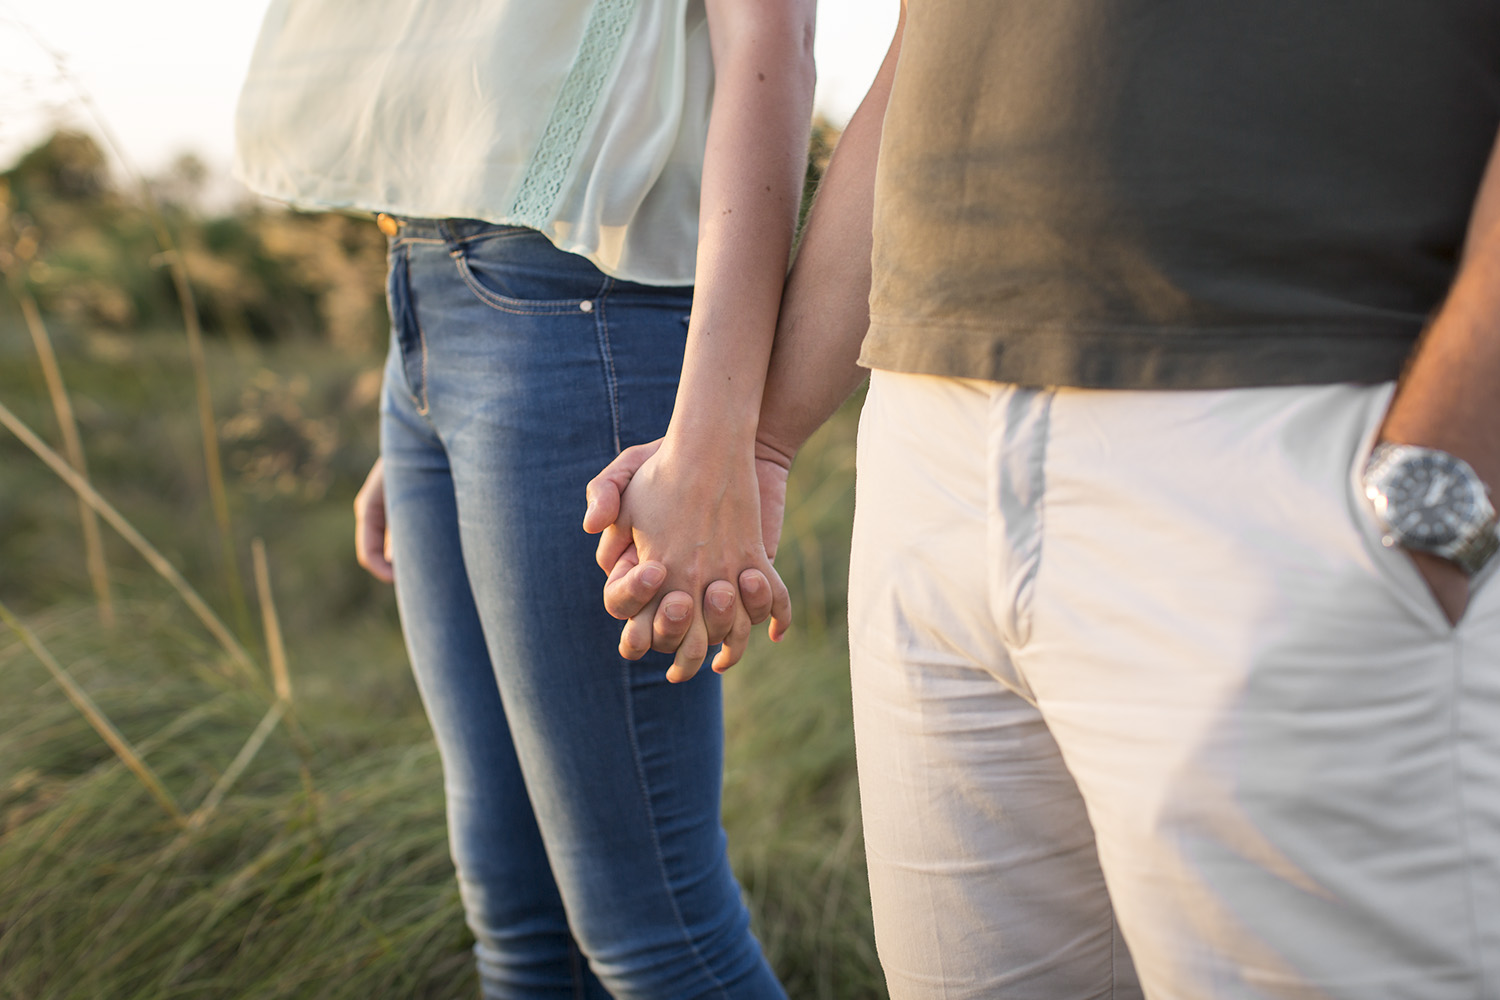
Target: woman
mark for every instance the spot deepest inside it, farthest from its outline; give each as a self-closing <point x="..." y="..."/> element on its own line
<point x="545" y="172"/>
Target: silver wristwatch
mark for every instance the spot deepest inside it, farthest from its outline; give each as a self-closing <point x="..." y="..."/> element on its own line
<point x="1431" y="501"/>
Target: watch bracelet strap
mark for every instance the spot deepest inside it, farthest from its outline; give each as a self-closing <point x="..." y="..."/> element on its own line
<point x="1472" y="557"/>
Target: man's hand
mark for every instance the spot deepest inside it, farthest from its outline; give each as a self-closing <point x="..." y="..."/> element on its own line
<point x="727" y="611"/>
<point x="1448" y="583"/>
<point x="372" y="538"/>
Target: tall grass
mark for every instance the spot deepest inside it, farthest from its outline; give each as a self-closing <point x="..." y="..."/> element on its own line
<point x="67" y="425"/>
<point x="312" y="861"/>
<point x="172" y="258"/>
<point x="342" y="889"/>
<point x="191" y="810"/>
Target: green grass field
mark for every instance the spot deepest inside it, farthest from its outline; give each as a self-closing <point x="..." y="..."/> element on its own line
<point x="321" y="870"/>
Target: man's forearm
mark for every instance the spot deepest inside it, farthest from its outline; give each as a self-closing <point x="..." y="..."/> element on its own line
<point x="825" y="310"/>
<point x="1447" y="398"/>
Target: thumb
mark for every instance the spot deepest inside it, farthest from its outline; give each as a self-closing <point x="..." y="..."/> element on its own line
<point x="605" y="489"/>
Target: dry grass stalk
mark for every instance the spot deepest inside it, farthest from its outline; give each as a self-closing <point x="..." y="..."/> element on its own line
<point x="281" y="678"/>
<point x="218" y="495"/>
<point x="174" y="260"/>
<point x="275" y="647"/>
<point x="106" y="729"/>
<point x="93" y="543"/>
<point x="236" y="767"/>
<point x="137" y="541"/>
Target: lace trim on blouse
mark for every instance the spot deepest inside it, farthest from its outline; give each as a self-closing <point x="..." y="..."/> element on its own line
<point x="548" y="168"/>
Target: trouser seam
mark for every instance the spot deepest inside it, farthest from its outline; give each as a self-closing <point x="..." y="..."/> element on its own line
<point x="575" y="956"/>
<point x="607" y="358"/>
<point x="1037" y="461"/>
<point x="1455" y="735"/>
<point x="423" y="406"/>
<point x="661" y="862"/>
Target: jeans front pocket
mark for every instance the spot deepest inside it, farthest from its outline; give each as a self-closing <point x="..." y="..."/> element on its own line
<point x="518" y="270"/>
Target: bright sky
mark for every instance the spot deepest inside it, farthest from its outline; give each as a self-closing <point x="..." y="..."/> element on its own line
<point x="165" y="73"/>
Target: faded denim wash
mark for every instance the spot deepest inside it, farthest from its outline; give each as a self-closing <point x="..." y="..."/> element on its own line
<point x="582" y="788"/>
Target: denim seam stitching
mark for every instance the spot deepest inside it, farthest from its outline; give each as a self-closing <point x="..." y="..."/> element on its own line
<point x="661" y="862"/>
<point x="516" y="307"/>
<point x="418" y="402"/>
<point x="574" y="954"/>
<point x="607" y="356"/>
<point x="512" y="233"/>
<point x="423" y="407"/>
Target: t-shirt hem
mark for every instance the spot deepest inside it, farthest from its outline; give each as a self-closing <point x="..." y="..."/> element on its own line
<point x="1144" y="357"/>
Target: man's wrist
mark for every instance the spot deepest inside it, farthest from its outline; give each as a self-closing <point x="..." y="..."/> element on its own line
<point x="1429" y="500"/>
<point x="768" y="449"/>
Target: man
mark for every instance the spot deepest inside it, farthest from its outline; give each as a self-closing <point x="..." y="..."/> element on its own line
<point x="1157" y="639"/>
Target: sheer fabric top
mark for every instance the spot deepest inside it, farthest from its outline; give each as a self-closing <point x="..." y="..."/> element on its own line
<point x="584" y="119"/>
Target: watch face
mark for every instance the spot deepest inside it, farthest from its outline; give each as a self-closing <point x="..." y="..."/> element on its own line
<point x="1425" y="501"/>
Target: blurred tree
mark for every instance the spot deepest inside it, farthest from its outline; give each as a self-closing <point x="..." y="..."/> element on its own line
<point x="182" y="184"/>
<point x="94" y="263"/>
<point x="825" y="136"/>
<point x="67" y="166"/>
<point x="272" y="274"/>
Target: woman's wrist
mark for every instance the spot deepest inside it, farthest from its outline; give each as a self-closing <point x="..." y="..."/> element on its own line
<point x="705" y="447"/>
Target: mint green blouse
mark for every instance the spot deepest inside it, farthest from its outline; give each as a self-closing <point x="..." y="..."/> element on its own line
<point x="584" y="119"/>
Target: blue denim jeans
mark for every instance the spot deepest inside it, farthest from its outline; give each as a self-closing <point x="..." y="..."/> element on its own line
<point x="582" y="788"/>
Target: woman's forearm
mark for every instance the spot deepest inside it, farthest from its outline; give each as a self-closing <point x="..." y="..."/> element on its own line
<point x="692" y="506"/>
<point x="754" y="166"/>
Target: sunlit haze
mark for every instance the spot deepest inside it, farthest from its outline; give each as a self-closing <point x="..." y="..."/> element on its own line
<point x="164" y="74"/>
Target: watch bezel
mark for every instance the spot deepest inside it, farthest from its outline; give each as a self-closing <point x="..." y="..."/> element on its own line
<point x="1472" y="540"/>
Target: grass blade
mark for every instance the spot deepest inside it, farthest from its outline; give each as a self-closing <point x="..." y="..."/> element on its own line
<point x="137" y="541"/>
<point x="106" y="729"/>
<point x="73" y="446"/>
<point x="281" y="678"/>
<point x="236" y="767"/>
<point x="173" y="258"/>
<point x="275" y="647"/>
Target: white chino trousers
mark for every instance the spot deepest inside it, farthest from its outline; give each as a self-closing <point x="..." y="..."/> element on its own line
<point x="1133" y="669"/>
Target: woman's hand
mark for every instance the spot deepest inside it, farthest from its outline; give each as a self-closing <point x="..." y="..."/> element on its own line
<point x="692" y="512"/>
<point x="372" y="538"/>
<point x="689" y="527"/>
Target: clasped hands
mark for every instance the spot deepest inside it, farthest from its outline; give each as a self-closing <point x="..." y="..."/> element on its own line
<point x="687" y="543"/>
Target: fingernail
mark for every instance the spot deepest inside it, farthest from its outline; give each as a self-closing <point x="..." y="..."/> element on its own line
<point x="720" y="600"/>
<point x="676" y="612"/>
<point x="652" y="576"/>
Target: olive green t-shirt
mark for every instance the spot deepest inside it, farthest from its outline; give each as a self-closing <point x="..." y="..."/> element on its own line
<point x="1176" y="193"/>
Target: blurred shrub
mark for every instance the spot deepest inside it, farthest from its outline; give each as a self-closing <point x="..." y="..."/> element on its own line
<point x="91" y="254"/>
